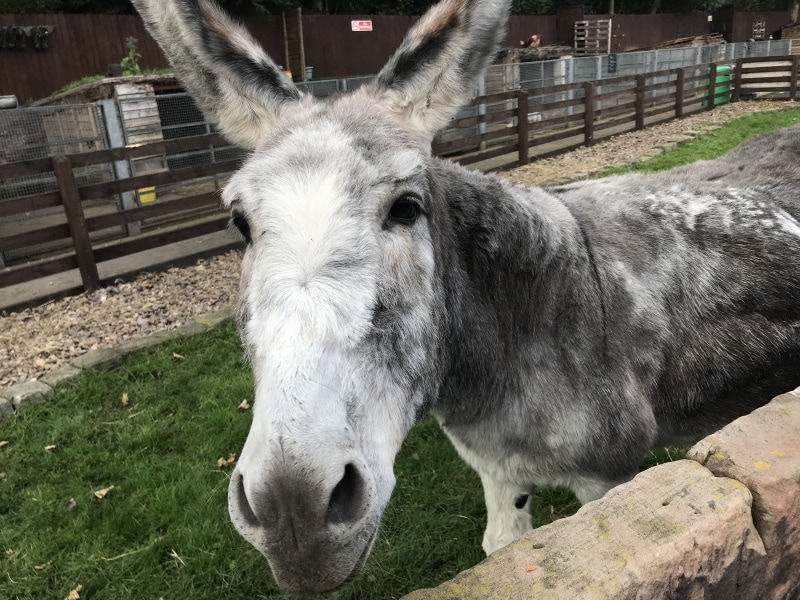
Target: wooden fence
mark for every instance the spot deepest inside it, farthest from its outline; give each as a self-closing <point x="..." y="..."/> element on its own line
<point x="198" y="214"/>
<point x="553" y="119"/>
<point x="505" y="128"/>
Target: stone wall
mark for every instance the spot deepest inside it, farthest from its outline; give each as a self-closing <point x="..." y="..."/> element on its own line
<point x="724" y="523"/>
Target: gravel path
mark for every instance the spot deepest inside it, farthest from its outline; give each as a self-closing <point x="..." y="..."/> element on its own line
<point x="38" y="339"/>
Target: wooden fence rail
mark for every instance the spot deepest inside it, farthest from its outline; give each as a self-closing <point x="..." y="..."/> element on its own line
<point x="200" y="211"/>
<point x="505" y="128"/>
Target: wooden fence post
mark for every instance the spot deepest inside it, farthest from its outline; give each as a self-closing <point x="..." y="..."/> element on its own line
<point x="737" y="80"/>
<point x="522" y="127"/>
<point x="793" y="81"/>
<point x="640" y="81"/>
<point x="76" y="220"/>
<point x="712" y="86"/>
<point x="588" y="113"/>
<point x="679" y="83"/>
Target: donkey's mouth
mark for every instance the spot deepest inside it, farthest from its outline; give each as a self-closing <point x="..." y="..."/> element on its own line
<point x="323" y="580"/>
<point x="362" y="560"/>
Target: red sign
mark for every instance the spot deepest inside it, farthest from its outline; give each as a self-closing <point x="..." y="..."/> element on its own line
<point x="361" y="25"/>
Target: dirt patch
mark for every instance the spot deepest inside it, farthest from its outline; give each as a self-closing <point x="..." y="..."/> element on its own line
<point x="42" y="338"/>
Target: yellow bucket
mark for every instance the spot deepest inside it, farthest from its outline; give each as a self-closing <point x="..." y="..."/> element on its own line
<point x="146" y="195"/>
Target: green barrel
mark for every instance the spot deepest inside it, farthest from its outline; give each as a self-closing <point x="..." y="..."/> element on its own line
<point x="722" y="85"/>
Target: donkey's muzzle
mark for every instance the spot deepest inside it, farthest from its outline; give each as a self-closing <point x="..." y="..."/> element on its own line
<point x="314" y="525"/>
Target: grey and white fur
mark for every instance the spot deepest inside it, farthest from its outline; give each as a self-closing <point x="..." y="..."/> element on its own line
<point x="555" y="333"/>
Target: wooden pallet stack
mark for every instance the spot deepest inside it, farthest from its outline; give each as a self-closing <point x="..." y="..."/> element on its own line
<point x="592" y="37"/>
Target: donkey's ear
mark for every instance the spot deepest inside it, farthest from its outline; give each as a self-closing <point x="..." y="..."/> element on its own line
<point x="234" y="82"/>
<point x="437" y="66"/>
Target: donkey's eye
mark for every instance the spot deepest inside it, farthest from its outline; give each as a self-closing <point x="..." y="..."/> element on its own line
<point x="404" y="211"/>
<point x="240" y="222"/>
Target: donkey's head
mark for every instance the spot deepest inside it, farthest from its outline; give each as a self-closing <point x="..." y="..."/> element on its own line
<point x="340" y="311"/>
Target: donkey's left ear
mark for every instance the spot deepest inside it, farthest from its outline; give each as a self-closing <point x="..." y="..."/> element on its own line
<point x="436" y="68"/>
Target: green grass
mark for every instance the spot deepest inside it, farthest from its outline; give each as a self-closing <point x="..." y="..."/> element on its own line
<point x="92" y="78"/>
<point x="713" y="144"/>
<point x="78" y="82"/>
<point x="163" y="530"/>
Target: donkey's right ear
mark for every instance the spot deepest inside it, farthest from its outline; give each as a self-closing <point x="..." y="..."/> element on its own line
<point x="231" y="78"/>
<point x="436" y="69"/>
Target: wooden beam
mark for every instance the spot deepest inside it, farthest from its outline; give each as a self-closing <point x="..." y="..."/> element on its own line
<point x="522" y="127"/>
<point x="639" y="118"/>
<point x="68" y="188"/>
<point x="588" y="113"/>
<point x="793" y="81"/>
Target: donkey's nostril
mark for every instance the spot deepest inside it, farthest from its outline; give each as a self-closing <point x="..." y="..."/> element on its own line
<point x="242" y="504"/>
<point x="347" y="503"/>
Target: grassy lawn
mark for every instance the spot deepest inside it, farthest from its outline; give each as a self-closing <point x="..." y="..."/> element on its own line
<point x="162" y="531"/>
<point x="715" y="143"/>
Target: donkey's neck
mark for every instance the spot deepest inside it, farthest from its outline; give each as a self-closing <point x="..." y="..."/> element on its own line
<point x="519" y="274"/>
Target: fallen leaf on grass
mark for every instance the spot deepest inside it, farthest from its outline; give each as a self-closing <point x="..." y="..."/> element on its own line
<point x="124" y="401"/>
<point x="42" y="566"/>
<point x="531" y="568"/>
<point x="9" y="552"/>
<point x="50" y="448"/>
<point x="223" y="462"/>
<point x="71" y="503"/>
<point x="199" y="268"/>
<point x="74" y="594"/>
<point x="2" y="475"/>
<point x="3" y="443"/>
<point x="40" y="362"/>
<point x="100" y="494"/>
<point x="177" y="356"/>
<point x="245" y="405"/>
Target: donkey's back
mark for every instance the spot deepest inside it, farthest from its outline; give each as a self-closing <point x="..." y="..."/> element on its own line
<point x="700" y="266"/>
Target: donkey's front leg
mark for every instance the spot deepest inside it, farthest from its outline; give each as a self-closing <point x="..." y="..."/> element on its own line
<point x="508" y="512"/>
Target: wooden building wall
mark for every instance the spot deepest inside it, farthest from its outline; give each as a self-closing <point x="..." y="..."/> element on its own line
<point x="631" y="32"/>
<point x="82" y="45"/>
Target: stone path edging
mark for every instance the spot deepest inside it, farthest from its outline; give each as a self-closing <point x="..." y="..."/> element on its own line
<point x="17" y="396"/>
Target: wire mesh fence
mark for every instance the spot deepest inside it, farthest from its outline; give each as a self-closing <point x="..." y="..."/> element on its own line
<point x="32" y="133"/>
<point x="41" y="132"/>
<point x="169" y="117"/>
<point x="596" y="68"/>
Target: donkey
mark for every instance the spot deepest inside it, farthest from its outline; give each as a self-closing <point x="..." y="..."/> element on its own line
<point x="556" y="334"/>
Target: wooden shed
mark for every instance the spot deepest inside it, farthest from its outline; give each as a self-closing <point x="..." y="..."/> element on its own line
<point x="792" y="32"/>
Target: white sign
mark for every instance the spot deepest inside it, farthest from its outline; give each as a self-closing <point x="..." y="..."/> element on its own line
<point x="361" y="25"/>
